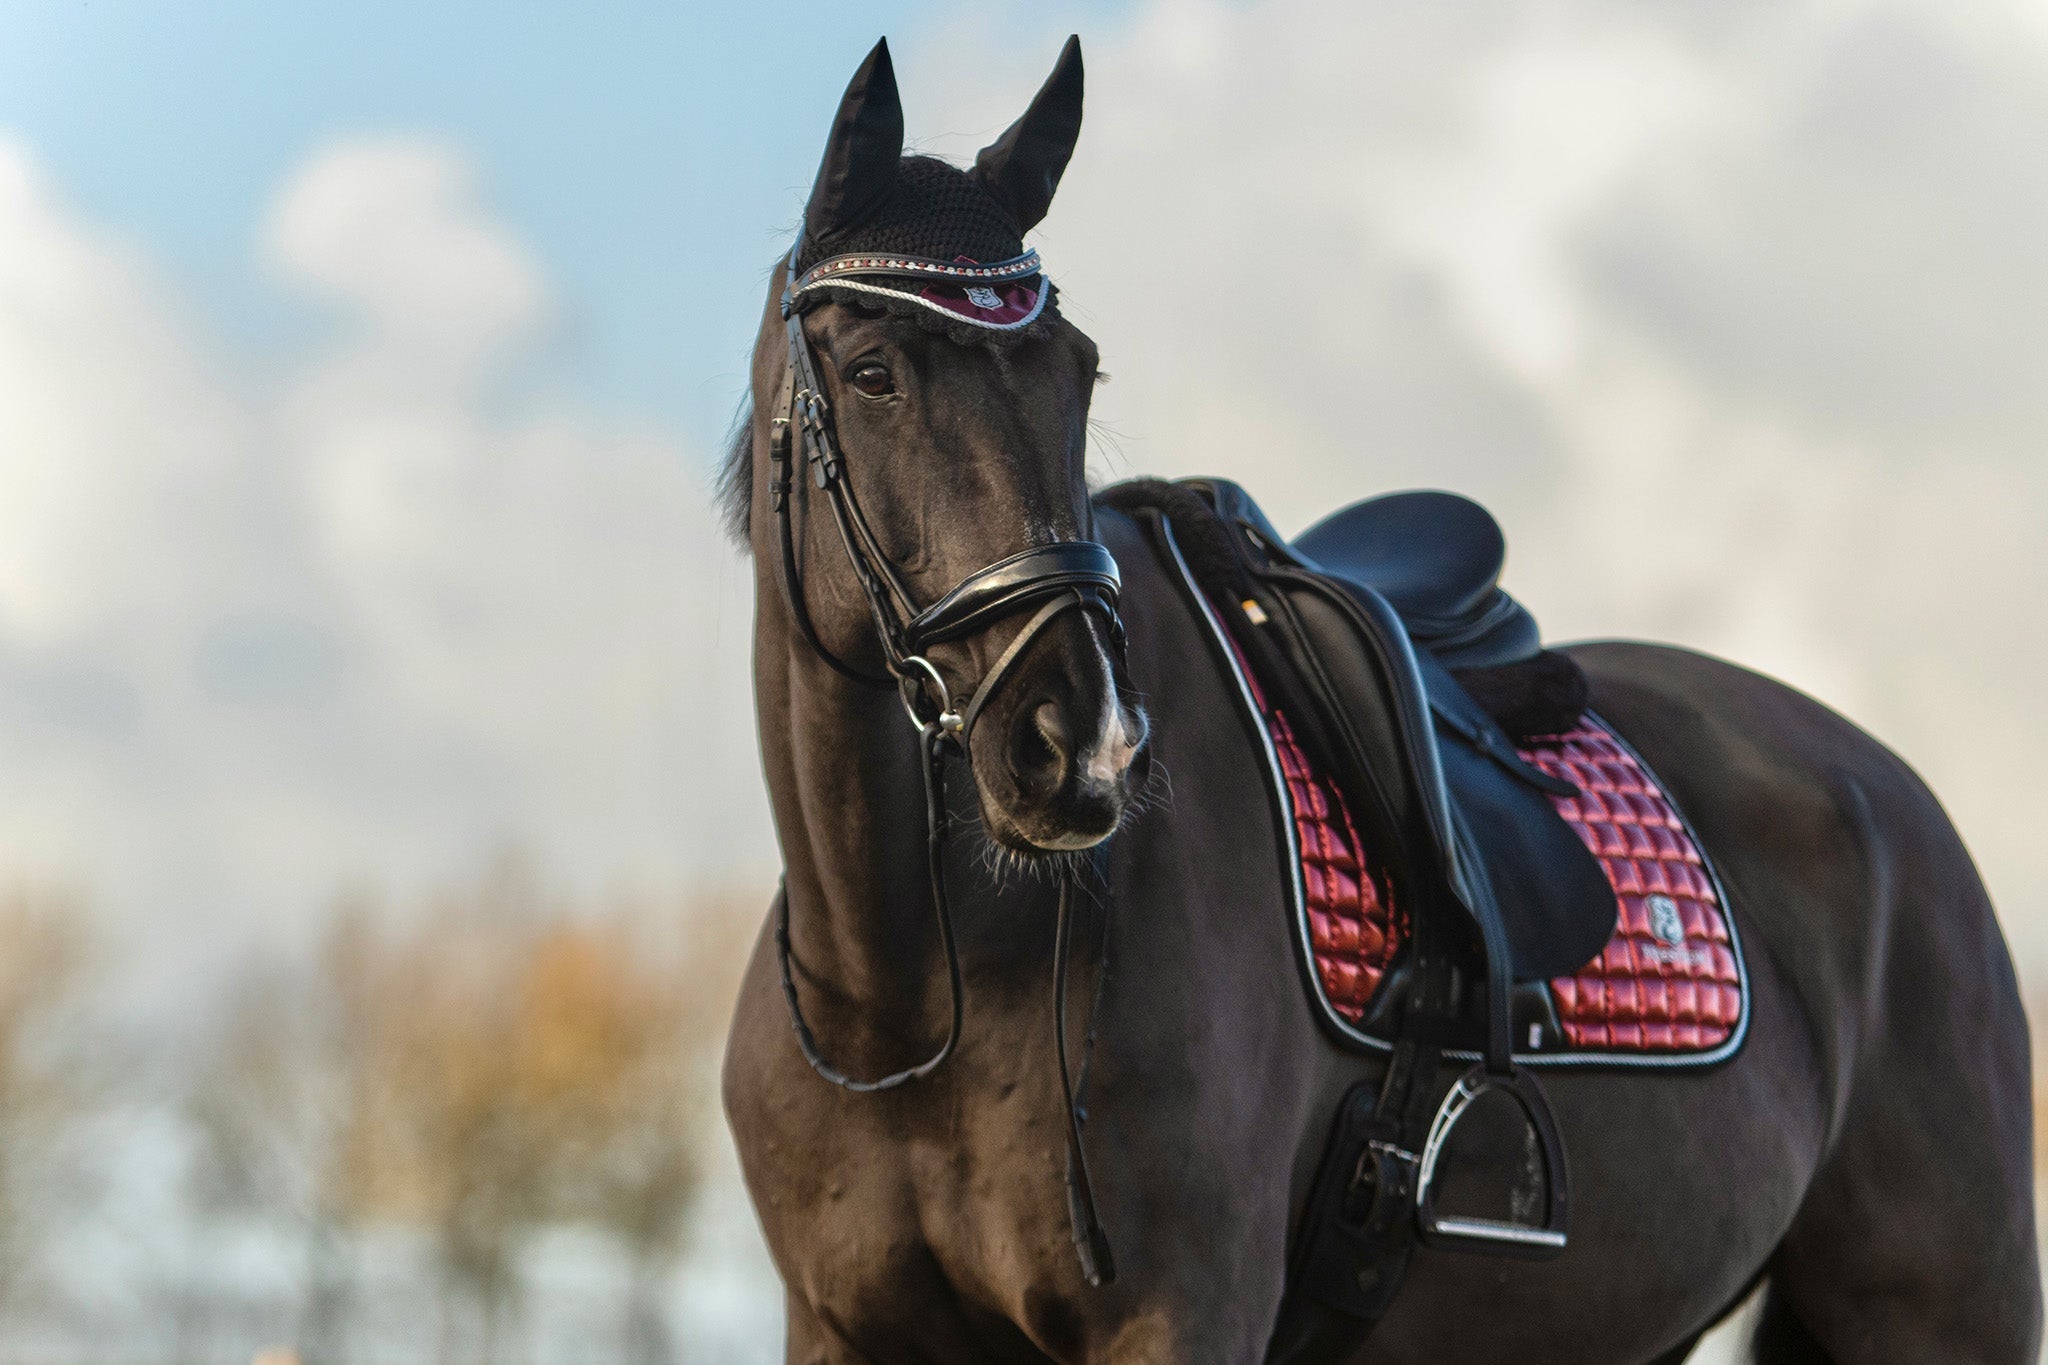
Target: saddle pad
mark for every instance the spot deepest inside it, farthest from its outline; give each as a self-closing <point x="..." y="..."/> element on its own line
<point x="1668" y="990"/>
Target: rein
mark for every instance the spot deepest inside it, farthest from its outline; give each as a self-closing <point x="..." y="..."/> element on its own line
<point x="1076" y="575"/>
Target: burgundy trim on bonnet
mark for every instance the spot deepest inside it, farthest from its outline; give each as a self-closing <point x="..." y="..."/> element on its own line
<point x="1014" y="305"/>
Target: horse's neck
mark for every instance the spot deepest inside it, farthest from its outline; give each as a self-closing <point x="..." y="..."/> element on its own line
<point x="844" y="777"/>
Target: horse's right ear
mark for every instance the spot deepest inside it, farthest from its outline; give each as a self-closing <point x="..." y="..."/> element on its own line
<point x="867" y="141"/>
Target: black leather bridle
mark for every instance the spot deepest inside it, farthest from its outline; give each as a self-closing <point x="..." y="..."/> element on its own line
<point x="1046" y="580"/>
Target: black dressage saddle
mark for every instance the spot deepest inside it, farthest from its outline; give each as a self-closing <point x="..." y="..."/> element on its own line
<point x="1366" y="614"/>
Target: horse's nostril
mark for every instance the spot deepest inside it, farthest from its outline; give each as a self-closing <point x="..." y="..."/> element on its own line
<point x="1039" y="749"/>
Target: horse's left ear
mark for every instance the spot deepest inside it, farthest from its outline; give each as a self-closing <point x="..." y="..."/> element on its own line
<point x="1022" y="167"/>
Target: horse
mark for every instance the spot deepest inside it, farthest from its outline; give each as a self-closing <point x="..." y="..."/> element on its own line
<point x="1866" y="1156"/>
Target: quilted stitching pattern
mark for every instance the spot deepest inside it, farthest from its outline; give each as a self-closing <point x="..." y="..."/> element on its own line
<point x="1645" y="992"/>
<point x="1354" y="927"/>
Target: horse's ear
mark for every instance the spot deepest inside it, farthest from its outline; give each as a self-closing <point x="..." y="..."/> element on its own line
<point x="1022" y="167"/>
<point x="867" y="142"/>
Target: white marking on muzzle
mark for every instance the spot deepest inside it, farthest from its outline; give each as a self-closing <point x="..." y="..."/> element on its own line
<point x="1110" y="752"/>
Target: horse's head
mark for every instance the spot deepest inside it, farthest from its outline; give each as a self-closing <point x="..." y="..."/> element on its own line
<point x="956" y="398"/>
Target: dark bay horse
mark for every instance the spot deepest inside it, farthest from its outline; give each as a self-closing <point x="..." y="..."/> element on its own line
<point x="1867" y="1153"/>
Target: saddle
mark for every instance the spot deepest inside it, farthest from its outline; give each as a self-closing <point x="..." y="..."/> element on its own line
<point x="1362" y="620"/>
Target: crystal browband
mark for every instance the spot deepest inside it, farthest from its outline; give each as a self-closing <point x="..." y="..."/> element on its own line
<point x="1003" y="296"/>
<point x="920" y="267"/>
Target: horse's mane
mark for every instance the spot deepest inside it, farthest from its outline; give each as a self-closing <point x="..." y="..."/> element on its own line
<point x="735" y="486"/>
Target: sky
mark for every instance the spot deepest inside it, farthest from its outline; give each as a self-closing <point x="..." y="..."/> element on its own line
<point x="363" y="368"/>
<point x="652" y="155"/>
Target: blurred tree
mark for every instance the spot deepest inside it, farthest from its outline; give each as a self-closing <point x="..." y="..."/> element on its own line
<point x="499" y="1064"/>
<point x="44" y="1090"/>
<point x="279" y="1104"/>
<point x="615" y="1071"/>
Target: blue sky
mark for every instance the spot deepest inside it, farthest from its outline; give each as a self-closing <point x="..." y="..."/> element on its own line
<point x="651" y="154"/>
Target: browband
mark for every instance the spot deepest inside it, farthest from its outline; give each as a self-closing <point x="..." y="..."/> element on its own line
<point x="919" y="267"/>
<point x="1004" y="296"/>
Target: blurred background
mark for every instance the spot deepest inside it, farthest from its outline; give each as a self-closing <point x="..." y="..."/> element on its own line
<point x="380" y="824"/>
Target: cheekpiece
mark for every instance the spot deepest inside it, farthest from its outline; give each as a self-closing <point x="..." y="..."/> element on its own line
<point x="999" y="296"/>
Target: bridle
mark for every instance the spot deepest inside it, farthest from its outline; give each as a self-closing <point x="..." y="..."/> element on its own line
<point x="1046" y="580"/>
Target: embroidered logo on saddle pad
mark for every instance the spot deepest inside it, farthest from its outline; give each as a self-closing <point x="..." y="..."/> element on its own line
<point x="1666" y="924"/>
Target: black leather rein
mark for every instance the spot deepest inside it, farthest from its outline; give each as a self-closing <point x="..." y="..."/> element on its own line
<point x="1046" y="580"/>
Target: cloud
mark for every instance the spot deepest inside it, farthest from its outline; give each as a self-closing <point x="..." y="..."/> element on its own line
<point x="369" y="619"/>
<point x="1734" y="314"/>
<point x="105" y="411"/>
<point x="394" y="234"/>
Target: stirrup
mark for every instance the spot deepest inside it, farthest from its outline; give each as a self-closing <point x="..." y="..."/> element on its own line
<point x="1493" y="1236"/>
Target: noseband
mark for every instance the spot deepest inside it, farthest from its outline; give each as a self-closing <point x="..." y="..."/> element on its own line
<point x="1046" y="580"/>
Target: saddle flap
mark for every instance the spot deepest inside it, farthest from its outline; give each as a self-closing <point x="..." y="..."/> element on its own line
<point x="1555" y="903"/>
<point x="1492" y="836"/>
<point x="1429" y="773"/>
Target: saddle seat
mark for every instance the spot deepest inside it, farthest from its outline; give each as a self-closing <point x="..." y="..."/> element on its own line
<point x="1436" y="557"/>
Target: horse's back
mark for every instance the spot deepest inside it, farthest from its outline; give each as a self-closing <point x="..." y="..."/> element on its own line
<point x="1916" y="1238"/>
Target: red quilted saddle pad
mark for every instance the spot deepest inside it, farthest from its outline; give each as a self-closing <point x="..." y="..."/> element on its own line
<point x="1668" y="981"/>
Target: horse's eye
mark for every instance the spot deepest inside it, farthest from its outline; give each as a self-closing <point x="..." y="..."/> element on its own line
<point x="873" y="381"/>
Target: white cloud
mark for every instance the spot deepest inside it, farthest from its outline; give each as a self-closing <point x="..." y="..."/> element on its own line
<point x="105" y="411"/>
<point x="369" y="620"/>
<point x="394" y="233"/>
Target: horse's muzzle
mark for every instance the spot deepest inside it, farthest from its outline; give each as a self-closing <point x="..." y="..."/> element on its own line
<point x="1071" y="774"/>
